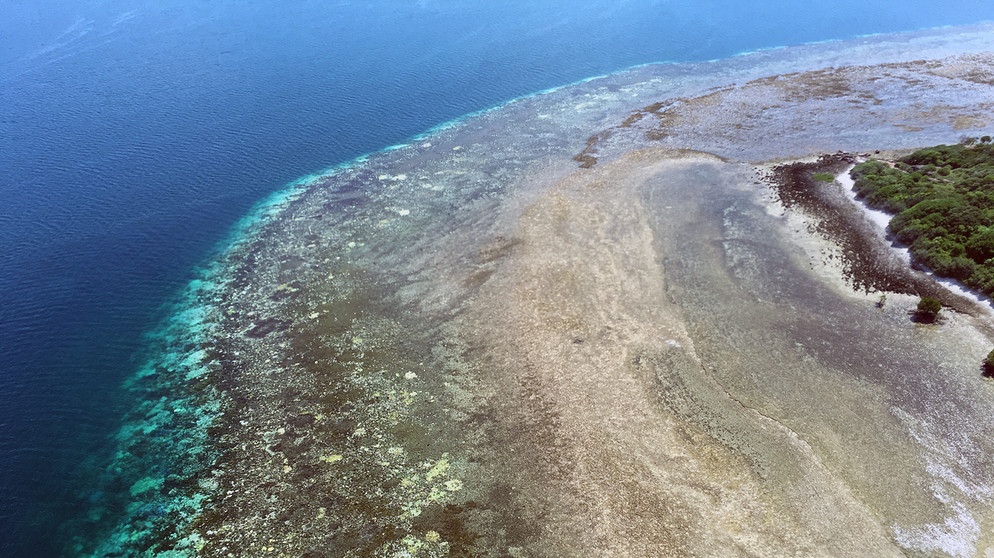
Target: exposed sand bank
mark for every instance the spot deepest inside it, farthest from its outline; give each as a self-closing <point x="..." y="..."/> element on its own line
<point x="472" y="346"/>
<point x="652" y="456"/>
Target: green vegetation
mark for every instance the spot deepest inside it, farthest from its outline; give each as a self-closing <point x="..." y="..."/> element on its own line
<point x="943" y="201"/>
<point x="989" y="364"/>
<point x="928" y="309"/>
<point x="824" y="177"/>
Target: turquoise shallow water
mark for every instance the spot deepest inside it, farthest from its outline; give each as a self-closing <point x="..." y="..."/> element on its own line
<point x="371" y="201"/>
<point x="136" y="136"/>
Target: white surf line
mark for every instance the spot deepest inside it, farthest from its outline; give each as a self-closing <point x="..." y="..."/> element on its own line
<point x="881" y="219"/>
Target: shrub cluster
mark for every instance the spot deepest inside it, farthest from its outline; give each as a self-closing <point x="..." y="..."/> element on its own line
<point x="928" y="309"/>
<point x="942" y="199"/>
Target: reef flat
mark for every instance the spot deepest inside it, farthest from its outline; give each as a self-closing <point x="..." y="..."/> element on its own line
<point x="584" y="324"/>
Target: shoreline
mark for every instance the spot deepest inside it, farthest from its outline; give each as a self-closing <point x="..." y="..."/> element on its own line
<point x="363" y="324"/>
<point x="881" y="219"/>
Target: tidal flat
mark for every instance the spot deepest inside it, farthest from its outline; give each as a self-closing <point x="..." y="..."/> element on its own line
<point x="584" y="323"/>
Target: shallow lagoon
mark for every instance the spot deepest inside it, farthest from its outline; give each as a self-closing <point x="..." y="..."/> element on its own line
<point x="471" y="345"/>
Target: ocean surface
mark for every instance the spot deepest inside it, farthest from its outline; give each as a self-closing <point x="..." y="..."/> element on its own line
<point x="135" y="135"/>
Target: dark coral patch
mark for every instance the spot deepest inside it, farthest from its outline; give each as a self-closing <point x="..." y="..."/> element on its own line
<point x="264" y="327"/>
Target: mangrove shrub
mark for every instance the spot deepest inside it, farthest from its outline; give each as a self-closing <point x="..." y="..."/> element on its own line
<point x="942" y="201"/>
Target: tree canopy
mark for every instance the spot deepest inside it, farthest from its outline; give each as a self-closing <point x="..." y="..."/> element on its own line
<point x="942" y="199"/>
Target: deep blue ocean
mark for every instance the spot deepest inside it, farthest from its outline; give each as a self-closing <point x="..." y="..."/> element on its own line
<point x="134" y="135"/>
